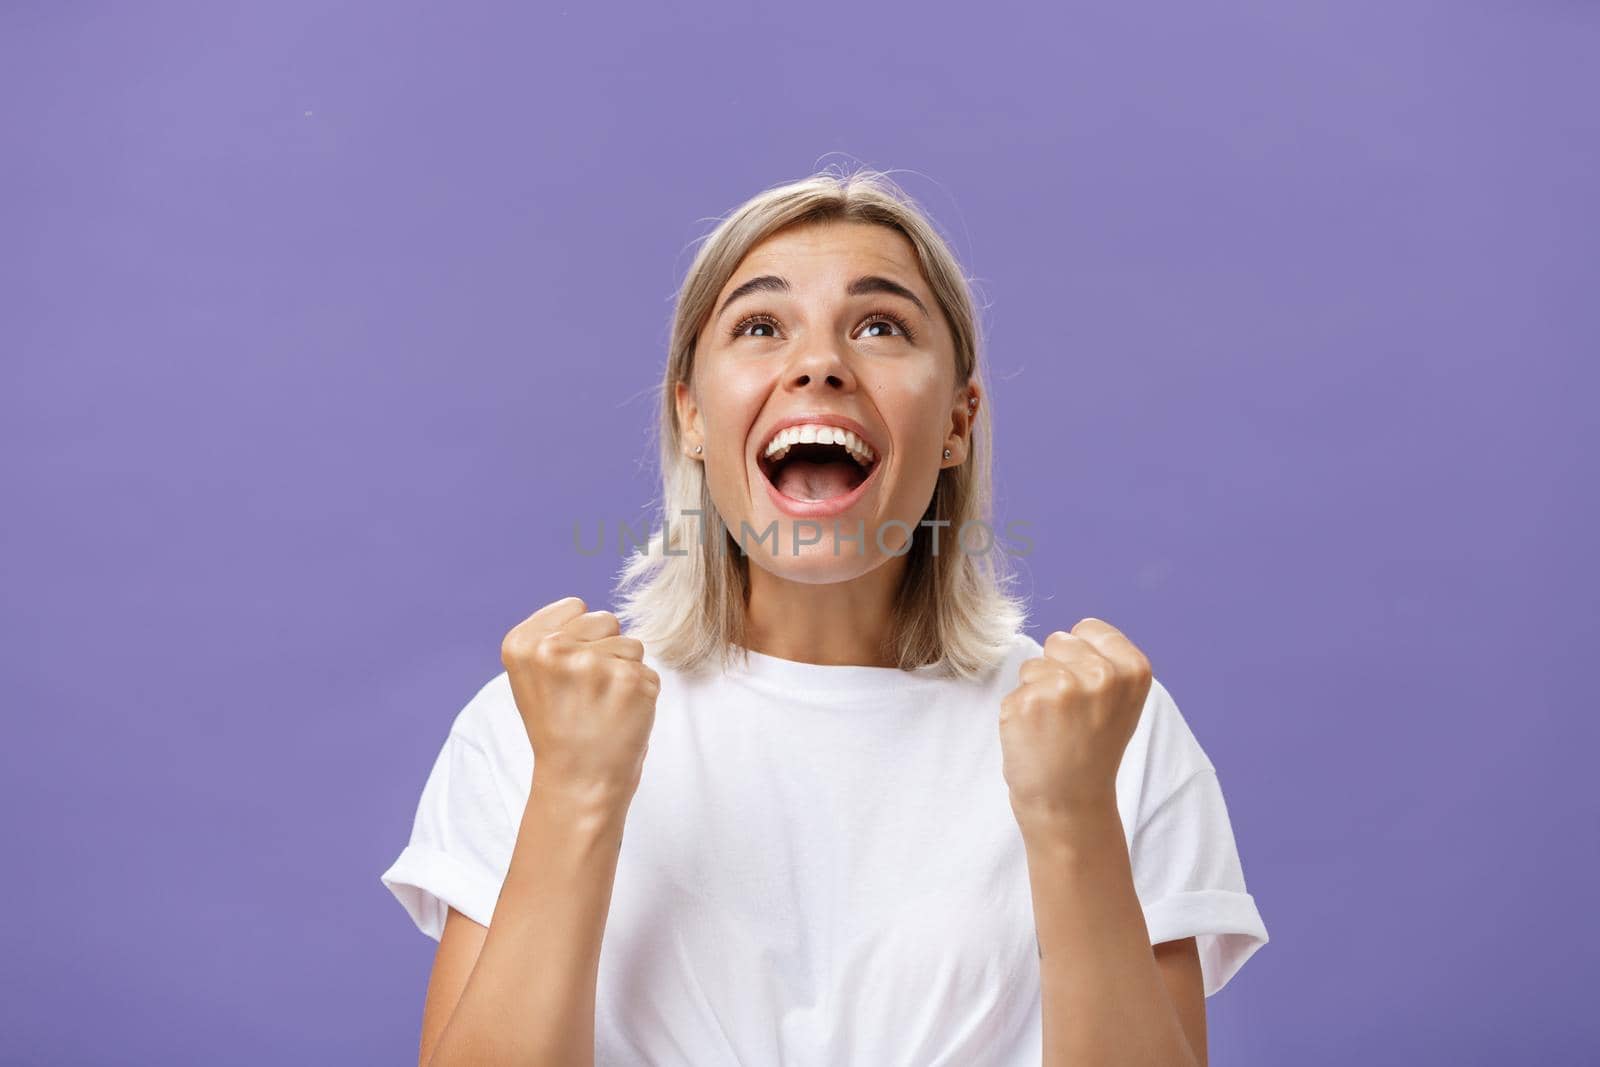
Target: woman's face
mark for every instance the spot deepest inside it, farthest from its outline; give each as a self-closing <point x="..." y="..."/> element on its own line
<point x="831" y="326"/>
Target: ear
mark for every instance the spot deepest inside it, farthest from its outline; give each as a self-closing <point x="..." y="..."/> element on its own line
<point x="690" y="433"/>
<point x="963" y="413"/>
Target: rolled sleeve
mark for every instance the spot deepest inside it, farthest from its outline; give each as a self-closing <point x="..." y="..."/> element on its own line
<point x="1191" y="883"/>
<point x="461" y="842"/>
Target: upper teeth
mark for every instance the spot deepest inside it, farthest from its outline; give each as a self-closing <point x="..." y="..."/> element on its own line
<point x="816" y="433"/>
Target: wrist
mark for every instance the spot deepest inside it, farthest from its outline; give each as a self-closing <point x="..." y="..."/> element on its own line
<point x="579" y="799"/>
<point x="1085" y="817"/>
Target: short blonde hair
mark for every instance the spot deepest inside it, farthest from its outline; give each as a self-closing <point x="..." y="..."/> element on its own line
<point x="687" y="602"/>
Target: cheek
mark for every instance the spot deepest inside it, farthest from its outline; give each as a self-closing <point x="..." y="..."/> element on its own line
<point x="730" y="400"/>
<point x="915" y="411"/>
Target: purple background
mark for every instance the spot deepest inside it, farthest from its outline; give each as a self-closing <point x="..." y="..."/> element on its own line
<point x="321" y="324"/>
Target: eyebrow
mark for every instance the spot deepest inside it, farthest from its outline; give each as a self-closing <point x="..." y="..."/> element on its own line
<point x="867" y="283"/>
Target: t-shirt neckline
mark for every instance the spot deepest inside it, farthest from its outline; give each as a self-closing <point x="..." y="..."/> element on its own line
<point x="827" y="677"/>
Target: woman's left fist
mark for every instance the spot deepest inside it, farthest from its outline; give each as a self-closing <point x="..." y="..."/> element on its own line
<point x="1064" y="728"/>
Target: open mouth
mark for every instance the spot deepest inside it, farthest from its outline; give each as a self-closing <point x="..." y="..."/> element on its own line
<point x="814" y="463"/>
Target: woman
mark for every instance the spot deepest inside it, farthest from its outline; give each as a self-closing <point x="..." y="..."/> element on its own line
<point x="869" y="820"/>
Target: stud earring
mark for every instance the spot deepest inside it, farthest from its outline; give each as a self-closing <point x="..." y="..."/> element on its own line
<point x="947" y="453"/>
<point x="697" y="450"/>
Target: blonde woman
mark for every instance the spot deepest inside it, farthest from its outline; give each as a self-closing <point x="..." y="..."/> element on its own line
<point x="811" y="795"/>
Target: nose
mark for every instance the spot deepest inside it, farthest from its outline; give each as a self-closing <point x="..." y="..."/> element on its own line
<point x="819" y="366"/>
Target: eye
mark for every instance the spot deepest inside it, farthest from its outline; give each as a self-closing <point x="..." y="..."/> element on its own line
<point x="753" y="320"/>
<point x="875" y="319"/>
<point x="880" y="317"/>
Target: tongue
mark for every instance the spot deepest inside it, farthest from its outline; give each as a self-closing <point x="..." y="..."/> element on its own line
<point x="804" y="480"/>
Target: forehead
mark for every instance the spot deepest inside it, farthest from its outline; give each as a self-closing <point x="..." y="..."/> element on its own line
<point x="828" y="250"/>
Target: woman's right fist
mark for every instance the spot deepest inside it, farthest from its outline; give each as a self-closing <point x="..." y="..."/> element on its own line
<point x="586" y="697"/>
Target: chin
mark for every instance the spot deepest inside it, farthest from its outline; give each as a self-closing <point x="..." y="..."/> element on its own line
<point x="815" y="564"/>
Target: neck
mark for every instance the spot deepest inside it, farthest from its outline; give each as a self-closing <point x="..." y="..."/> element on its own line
<point x="833" y="623"/>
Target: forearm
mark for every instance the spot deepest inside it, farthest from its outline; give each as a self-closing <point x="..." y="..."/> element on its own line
<point x="531" y="996"/>
<point x="1104" y="1000"/>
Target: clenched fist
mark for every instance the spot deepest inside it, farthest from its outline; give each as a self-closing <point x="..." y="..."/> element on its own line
<point x="1064" y="728"/>
<point x="586" y="697"/>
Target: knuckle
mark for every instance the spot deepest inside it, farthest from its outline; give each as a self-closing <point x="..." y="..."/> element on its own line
<point x="548" y="650"/>
<point x="514" y="647"/>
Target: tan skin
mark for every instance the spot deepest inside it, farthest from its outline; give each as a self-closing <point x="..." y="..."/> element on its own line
<point x="588" y="701"/>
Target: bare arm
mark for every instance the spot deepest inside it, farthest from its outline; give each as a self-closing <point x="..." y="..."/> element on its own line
<point x="1107" y="997"/>
<point x="526" y="994"/>
<point x="522" y="991"/>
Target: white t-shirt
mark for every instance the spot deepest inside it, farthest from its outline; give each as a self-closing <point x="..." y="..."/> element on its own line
<point x="821" y="865"/>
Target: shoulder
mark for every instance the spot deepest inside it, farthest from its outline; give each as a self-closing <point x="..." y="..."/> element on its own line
<point x="1162" y="755"/>
<point x="480" y="718"/>
<point x="1023" y="647"/>
<point x="1008" y="664"/>
<point x="1166" y="734"/>
<point x="490" y="723"/>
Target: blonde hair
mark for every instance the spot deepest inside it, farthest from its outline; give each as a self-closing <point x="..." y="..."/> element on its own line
<point x="687" y="602"/>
